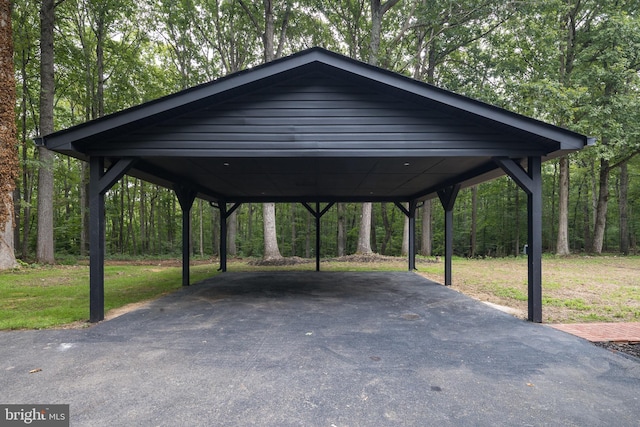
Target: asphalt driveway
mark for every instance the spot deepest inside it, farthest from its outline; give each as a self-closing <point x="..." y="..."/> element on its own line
<point x="320" y="349"/>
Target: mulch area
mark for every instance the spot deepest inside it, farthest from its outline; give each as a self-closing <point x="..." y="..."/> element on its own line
<point x="626" y="348"/>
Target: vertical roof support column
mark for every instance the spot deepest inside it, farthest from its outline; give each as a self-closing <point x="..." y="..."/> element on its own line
<point x="223" y="236"/>
<point x="448" y="199"/>
<point x="224" y="215"/>
<point x="531" y="182"/>
<point x="411" y="214"/>
<point x="318" y="237"/>
<point x="317" y="214"/>
<point x="186" y="196"/>
<point x="413" y="205"/>
<point x="99" y="183"/>
<point x="96" y="240"/>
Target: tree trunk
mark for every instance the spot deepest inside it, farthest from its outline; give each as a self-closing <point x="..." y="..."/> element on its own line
<point x="388" y="228"/>
<point x="27" y="189"/>
<point x="215" y="230"/>
<point x="623" y="207"/>
<point x="267" y="37"/>
<point x="364" y="236"/>
<point x="271" y="250"/>
<point x="232" y="230"/>
<point x="426" y="240"/>
<point x="562" y="244"/>
<point x="376" y="29"/>
<point x="601" y="208"/>
<point x="84" y="209"/>
<point x="377" y="12"/>
<point x="9" y="164"/>
<point x="44" y="253"/>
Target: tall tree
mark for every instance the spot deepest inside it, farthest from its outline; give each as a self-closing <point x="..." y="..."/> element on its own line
<point x="612" y="56"/>
<point x="378" y="10"/>
<point x="8" y="139"/>
<point x="266" y="28"/>
<point x="45" y="249"/>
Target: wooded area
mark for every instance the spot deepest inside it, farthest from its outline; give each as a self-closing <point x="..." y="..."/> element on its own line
<point x="572" y="63"/>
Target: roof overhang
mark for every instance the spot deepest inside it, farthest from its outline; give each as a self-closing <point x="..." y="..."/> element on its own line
<point x="315" y="126"/>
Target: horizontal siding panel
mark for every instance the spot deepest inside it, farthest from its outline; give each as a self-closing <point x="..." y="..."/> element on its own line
<point x="241" y="120"/>
<point x="380" y="144"/>
<point x="216" y="139"/>
<point x="309" y="152"/>
<point x="324" y="128"/>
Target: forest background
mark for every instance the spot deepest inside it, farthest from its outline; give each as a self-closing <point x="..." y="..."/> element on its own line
<point x="572" y="63"/>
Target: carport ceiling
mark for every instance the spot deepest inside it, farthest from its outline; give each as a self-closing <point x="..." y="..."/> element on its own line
<point x="315" y="126"/>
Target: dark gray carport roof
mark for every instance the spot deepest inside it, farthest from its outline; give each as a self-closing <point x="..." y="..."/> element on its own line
<point x="331" y="127"/>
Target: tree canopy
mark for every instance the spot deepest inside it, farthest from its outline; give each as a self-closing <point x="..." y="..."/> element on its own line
<point x="571" y="63"/>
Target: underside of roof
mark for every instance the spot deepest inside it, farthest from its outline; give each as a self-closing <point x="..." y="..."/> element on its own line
<point x="315" y="126"/>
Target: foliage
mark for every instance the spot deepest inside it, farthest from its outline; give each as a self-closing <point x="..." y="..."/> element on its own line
<point x="573" y="64"/>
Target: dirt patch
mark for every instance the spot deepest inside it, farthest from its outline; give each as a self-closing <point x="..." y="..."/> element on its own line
<point x="365" y="258"/>
<point x="111" y="314"/>
<point x="117" y="312"/>
<point x="279" y="262"/>
<point x="172" y="262"/>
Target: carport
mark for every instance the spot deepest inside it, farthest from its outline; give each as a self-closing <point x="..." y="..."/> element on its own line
<point x="316" y="128"/>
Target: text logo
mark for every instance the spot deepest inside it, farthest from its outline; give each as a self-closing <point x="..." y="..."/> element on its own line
<point x="34" y="415"/>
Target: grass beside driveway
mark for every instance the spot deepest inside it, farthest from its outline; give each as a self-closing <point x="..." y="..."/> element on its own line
<point x="574" y="289"/>
<point x="44" y="297"/>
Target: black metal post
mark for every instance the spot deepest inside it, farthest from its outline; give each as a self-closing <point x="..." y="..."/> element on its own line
<point x="531" y="182"/>
<point x="185" y="198"/>
<point x="410" y="213"/>
<point x="448" y="199"/>
<point x="412" y="235"/>
<point x="99" y="183"/>
<point x="223" y="236"/>
<point x="96" y="240"/>
<point x="534" y="208"/>
<point x="318" y="216"/>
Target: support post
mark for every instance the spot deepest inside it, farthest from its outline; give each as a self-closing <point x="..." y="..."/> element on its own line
<point x="531" y="182"/>
<point x="412" y="234"/>
<point x="411" y="214"/>
<point x="534" y="218"/>
<point x="448" y="198"/>
<point x="96" y="240"/>
<point x="186" y="197"/>
<point x="224" y="215"/>
<point x="317" y="214"/>
<point x="223" y="236"/>
<point x="99" y="183"/>
<point x="317" y="237"/>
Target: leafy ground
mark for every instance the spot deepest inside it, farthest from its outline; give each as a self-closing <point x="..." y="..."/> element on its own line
<point x="575" y="289"/>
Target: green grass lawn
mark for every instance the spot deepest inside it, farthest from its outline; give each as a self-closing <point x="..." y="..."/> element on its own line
<point x="43" y="297"/>
<point x="575" y="289"/>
